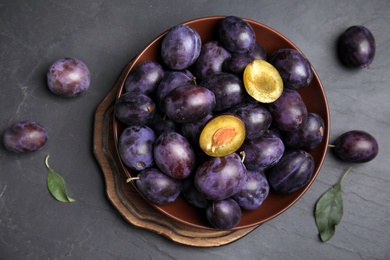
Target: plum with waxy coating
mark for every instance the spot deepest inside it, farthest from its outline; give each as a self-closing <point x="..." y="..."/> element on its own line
<point x="210" y="61"/>
<point x="180" y="47"/>
<point x="192" y="194"/>
<point x="356" y="47"/>
<point x="185" y="104"/>
<point x="135" y="147"/>
<point x="263" y="152"/>
<point x="237" y="62"/>
<point x="294" y="68"/>
<point x="288" y="112"/>
<point x="236" y="34"/>
<point x="144" y="78"/>
<point x="253" y="192"/>
<point x="256" y="119"/>
<point x="356" y="146"/>
<point x="224" y="214"/>
<point x="292" y="172"/>
<point x="259" y="52"/>
<point x="134" y="109"/>
<point x="68" y="77"/>
<point x="161" y="124"/>
<point x="309" y="136"/>
<point x="172" y="80"/>
<point x="174" y="155"/>
<point x="158" y="187"/>
<point x="227" y="88"/>
<point x="25" y="136"/>
<point x="219" y="178"/>
<point x="191" y="131"/>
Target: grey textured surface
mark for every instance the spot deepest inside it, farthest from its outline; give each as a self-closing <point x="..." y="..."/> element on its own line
<point x="106" y="35"/>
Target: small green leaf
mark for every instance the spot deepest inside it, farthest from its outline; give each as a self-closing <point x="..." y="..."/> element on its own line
<point x="56" y="184"/>
<point x="329" y="210"/>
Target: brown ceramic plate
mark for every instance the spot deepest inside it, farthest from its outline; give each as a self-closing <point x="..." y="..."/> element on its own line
<point x="315" y="100"/>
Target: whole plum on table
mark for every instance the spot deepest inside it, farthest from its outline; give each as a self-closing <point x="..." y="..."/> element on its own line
<point x="292" y="172"/>
<point x="356" y="47"/>
<point x="68" y="77"/>
<point x="180" y="47"/>
<point x="25" y="136"/>
<point x="158" y="187"/>
<point x="356" y="146"/>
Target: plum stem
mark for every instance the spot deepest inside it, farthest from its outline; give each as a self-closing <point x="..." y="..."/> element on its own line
<point x="194" y="80"/>
<point x="132" y="179"/>
<point x="242" y="153"/>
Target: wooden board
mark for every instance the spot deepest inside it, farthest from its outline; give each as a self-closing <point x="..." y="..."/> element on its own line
<point x="128" y="201"/>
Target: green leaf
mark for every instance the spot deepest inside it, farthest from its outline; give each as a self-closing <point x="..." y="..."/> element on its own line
<point x="329" y="210"/>
<point x="56" y="184"/>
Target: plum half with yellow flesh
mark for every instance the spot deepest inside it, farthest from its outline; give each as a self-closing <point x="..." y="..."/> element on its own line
<point x="222" y="135"/>
<point x="262" y="81"/>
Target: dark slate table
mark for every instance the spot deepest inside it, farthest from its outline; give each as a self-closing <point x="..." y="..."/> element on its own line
<point x="106" y="35"/>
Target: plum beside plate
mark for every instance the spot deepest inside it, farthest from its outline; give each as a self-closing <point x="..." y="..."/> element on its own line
<point x="313" y="96"/>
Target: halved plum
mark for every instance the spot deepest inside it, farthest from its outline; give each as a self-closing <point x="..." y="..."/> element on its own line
<point x="262" y="81"/>
<point x="222" y="135"/>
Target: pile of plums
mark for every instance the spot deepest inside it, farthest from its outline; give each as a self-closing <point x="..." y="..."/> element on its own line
<point x="220" y="122"/>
